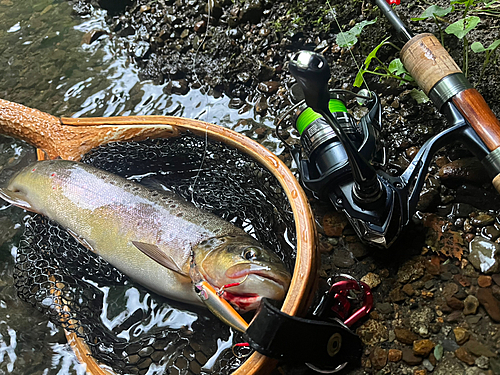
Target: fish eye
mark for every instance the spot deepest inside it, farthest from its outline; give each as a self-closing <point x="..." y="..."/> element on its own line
<point x="250" y="253"/>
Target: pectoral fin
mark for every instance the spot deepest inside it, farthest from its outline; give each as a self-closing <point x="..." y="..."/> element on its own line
<point x="155" y="253"/>
<point x="16" y="199"/>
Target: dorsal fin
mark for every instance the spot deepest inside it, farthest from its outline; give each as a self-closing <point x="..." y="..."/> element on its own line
<point x="159" y="256"/>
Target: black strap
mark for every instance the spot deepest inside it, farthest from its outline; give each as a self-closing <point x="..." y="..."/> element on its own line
<point x="326" y="345"/>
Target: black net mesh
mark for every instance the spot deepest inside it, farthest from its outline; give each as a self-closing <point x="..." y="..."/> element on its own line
<point x="126" y="327"/>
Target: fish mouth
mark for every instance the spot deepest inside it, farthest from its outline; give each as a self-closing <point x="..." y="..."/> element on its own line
<point x="264" y="272"/>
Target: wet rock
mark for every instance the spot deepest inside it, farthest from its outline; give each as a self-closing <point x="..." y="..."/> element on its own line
<point x="455" y="317"/>
<point x="405" y="336"/>
<point x="378" y="358"/>
<point x="343" y="258"/>
<point x="490" y="232"/>
<point x="411" y="271"/>
<point x="371" y="279"/>
<point x="490" y="303"/>
<point x="484" y="281"/>
<point x="373" y="332"/>
<point x="482" y="220"/>
<point x="460" y="171"/>
<point x="423" y="347"/>
<point x="461" y="210"/>
<point x="496" y="278"/>
<point x="358" y="249"/>
<point x="420" y="320"/>
<point x="410" y="358"/>
<point x="92" y="36"/>
<point x="450" y="289"/>
<point x="394" y="355"/>
<point x="463" y="355"/>
<point x="141" y="48"/>
<point x="268" y="87"/>
<point x="334" y="223"/>
<point x="470" y="305"/>
<point x="461" y="335"/>
<point x="251" y="11"/>
<point x="455" y="303"/>
<point x="484" y="255"/>
<point x="476" y="348"/>
<point x="449" y="345"/>
<point x="384" y="308"/>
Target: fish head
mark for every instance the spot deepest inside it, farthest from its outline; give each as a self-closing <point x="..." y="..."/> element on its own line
<point x="244" y="269"/>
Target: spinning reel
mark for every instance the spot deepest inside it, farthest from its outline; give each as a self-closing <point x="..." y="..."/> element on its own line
<point x="339" y="160"/>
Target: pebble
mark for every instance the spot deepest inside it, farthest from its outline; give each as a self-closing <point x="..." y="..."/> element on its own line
<point x="428" y="365"/>
<point x="343" y="258"/>
<point x="396" y="295"/>
<point x="334" y="223"/>
<point x="455" y="303"/>
<point x="483" y="255"/>
<point x="455" y="317"/>
<point x="405" y="336"/>
<point x="410" y="358"/>
<point x="371" y="279"/>
<point x="461" y="171"/>
<point x="470" y="305"/>
<point x="268" y="87"/>
<point x="384" y="308"/>
<point x="464" y="355"/>
<point x="372" y="332"/>
<point x="423" y="347"/>
<point x="496" y="278"/>
<point x="482" y="362"/>
<point x="449" y="345"/>
<point x="394" y="355"/>
<point x="478" y="349"/>
<point x="490" y="303"/>
<point x="378" y="358"/>
<point x="450" y="289"/>
<point x="420" y="320"/>
<point x="420" y="372"/>
<point x="438" y="352"/>
<point x="484" y="281"/>
<point x="495" y="290"/>
<point x="495" y="365"/>
<point x="411" y="271"/>
<point x="408" y="290"/>
<point x="461" y="335"/>
<point x="482" y="220"/>
<point x="449" y="365"/>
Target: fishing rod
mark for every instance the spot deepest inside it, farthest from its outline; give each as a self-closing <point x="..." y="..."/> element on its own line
<point x="340" y="160"/>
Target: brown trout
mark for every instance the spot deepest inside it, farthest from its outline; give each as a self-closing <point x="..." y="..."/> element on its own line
<point x="150" y="236"/>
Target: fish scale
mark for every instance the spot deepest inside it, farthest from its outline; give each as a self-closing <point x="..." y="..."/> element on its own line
<point x="122" y="220"/>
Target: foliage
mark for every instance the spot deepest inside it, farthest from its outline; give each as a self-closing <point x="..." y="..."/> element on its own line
<point x="463" y="26"/>
<point x="478" y="47"/>
<point x="349" y="38"/>
<point x="394" y="70"/>
<point x="433" y="11"/>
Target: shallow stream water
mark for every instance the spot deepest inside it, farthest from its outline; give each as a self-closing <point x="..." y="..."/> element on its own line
<point x="45" y="65"/>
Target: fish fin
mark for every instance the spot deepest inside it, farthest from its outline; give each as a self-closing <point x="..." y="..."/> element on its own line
<point x="155" y="253"/>
<point x="16" y="200"/>
<point x="81" y="241"/>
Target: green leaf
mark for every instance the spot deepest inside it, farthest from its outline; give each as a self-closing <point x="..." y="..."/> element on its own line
<point x="349" y="38"/>
<point x="478" y="46"/>
<point x="373" y="53"/>
<point x="359" y="78"/>
<point x="419" y="96"/>
<point x="433" y="10"/>
<point x="463" y="26"/>
<point x="396" y="67"/>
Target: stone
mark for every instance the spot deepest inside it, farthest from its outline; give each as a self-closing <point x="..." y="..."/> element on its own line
<point x="482" y="362"/>
<point x="454" y="317"/>
<point x="484" y="255"/>
<point x="496" y="278"/>
<point x="490" y="303"/>
<point x="495" y="365"/>
<point x="371" y="279"/>
<point x="394" y="355"/>
<point x="410" y="358"/>
<point x="478" y="349"/>
<point x="378" y="358"/>
<point x="455" y="303"/>
<point x="450" y="289"/>
<point x="420" y="372"/>
<point x="343" y="258"/>
<point x="495" y="290"/>
<point x="334" y="223"/>
<point x="411" y="271"/>
<point x="470" y="305"/>
<point x="482" y="220"/>
<point x="373" y="332"/>
<point x="428" y="365"/>
<point x="423" y="347"/>
<point x="484" y="281"/>
<point x="438" y="352"/>
<point x="461" y="171"/>
<point x="396" y="295"/>
<point x="449" y="345"/>
<point x="420" y="320"/>
<point x="463" y="355"/>
<point x="384" y="308"/>
<point x="268" y="87"/>
<point x="408" y="290"/>
<point x="461" y="335"/>
<point x="405" y="336"/>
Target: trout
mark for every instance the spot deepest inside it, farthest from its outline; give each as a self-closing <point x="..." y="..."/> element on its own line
<point x="150" y="236"/>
